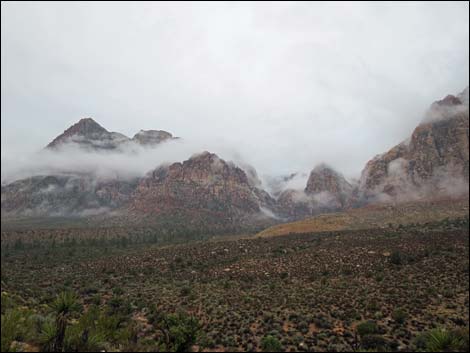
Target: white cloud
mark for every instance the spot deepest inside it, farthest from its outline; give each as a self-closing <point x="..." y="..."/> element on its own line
<point x="285" y="85"/>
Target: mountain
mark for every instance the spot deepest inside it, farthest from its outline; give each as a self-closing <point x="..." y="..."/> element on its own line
<point x="152" y="137"/>
<point x="433" y="161"/>
<point x="326" y="181"/>
<point x="326" y="190"/>
<point x="207" y="192"/>
<point x="64" y="195"/>
<point x="89" y="135"/>
<point x="201" y="189"/>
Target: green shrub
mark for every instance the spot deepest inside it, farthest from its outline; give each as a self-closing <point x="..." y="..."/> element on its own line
<point x="399" y="316"/>
<point x="396" y="258"/>
<point x="270" y="344"/>
<point x="373" y="342"/>
<point x="185" y="291"/>
<point x="180" y="332"/>
<point x="367" y="328"/>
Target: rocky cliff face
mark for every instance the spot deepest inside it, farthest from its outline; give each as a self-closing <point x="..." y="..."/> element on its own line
<point x="202" y="186"/>
<point x="435" y="160"/>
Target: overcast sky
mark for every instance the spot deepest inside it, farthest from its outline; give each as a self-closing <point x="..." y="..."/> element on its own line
<point x="286" y="85"/>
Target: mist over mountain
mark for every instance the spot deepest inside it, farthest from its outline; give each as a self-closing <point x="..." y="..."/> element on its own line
<point x="89" y="171"/>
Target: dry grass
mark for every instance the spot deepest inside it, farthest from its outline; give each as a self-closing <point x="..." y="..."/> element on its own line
<point x="378" y="216"/>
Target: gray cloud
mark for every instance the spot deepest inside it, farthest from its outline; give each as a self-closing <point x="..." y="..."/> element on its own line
<point x="283" y="86"/>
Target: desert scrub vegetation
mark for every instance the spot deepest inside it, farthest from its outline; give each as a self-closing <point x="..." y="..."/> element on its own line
<point x="316" y="291"/>
<point x="66" y="327"/>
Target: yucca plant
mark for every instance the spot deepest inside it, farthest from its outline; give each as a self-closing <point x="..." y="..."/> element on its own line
<point x="11" y="328"/>
<point x="47" y="336"/>
<point x="442" y="340"/>
<point x="65" y="304"/>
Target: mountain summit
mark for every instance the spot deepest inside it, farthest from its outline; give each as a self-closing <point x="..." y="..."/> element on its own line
<point x="89" y="135"/>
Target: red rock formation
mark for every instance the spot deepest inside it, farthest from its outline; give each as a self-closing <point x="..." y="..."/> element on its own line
<point x="203" y="184"/>
<point x="434" y="159"/>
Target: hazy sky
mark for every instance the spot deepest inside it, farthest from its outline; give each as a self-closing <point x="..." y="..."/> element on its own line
<point x="285" y="85"/>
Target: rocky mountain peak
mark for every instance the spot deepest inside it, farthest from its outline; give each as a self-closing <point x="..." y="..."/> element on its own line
<point x="205" y="186"/>
<point x="324" y="178"/>
<point x="86" y="127"/>
<point x="151" y="137"/>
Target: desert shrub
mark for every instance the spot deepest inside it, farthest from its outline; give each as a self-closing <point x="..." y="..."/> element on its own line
<point x="367" y="328"/>
<point x="396" y="258"/>
<point x="185" y="291"/>
<point x="379" y="277"/>
<point x="374" y="342"/>
<point x="270" y="344"/>
<point x="400" y="316"/>
<point x="179" y="332"/>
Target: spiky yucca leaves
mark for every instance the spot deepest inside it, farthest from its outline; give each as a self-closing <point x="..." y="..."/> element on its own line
<point x="65" y="304"/>
<point x="47" y="336"/>
<point x="11" y="326"/>
<point x="442" y="340"/>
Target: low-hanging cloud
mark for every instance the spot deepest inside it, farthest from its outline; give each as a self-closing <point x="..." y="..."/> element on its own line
<point x="127" y="162"/>
<point x="281" y="87"/>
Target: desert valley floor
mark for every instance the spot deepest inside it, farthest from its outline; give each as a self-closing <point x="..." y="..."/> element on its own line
<point x="385" y="287"/>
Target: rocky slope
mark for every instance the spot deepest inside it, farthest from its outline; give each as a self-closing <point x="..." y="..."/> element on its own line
<point x="434" y="161"/>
